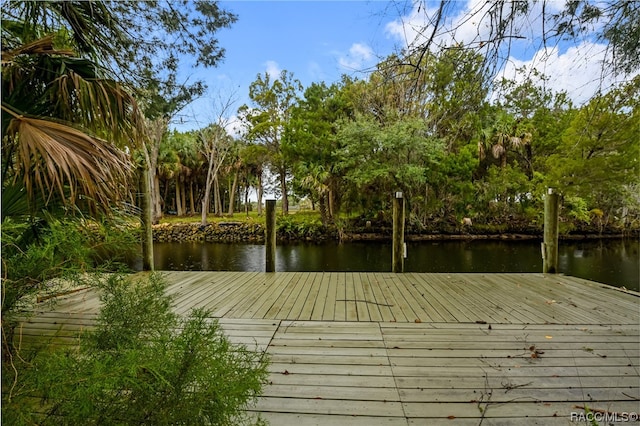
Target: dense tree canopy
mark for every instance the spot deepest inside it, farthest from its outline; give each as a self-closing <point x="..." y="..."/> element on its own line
<point x="452" y="150"/>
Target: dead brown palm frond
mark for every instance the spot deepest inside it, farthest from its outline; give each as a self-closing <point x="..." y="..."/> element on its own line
<point x="55" y="158"/>
<point x="498" y="150"/>
<point x="482" y="154"/>
<point x="41" y="46"/>
<point x="515" y="141"/>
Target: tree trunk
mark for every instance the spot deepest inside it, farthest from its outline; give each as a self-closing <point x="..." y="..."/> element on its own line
<point x="165" y="198"/>
<point x="217" y="208"/>
<point x="157" y="129"/>
<point x="232" y="194"/>
<point x="246" y="200"/>
<point x="146" y="208"/>
<point x="156" y="198"/>
<point x="283" y="186"/>
<point x="260" y="191"/>
<point x="183" y="198"/>
<point x="322" y="205"/>
<point x="331" y="212"/>
<point x="206" y="201"/>
<point x="192" y="203"/>
<point x="179" y="211"/>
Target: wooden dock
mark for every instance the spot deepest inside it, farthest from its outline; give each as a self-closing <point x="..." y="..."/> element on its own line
<point x="409" y="349"/>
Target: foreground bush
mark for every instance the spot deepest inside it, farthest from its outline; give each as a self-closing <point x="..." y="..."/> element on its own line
<point x="142" y="365"/>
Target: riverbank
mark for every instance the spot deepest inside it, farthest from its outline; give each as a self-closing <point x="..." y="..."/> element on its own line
<point x="290" y="230"/>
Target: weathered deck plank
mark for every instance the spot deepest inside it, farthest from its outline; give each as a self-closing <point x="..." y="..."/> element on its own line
<point x="409" y="349"/>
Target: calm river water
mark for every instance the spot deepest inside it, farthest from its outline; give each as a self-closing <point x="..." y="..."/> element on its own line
<point x="614" y="262"/>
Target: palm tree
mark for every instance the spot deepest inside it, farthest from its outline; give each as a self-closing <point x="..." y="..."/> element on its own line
<point x="58" y="109"/>
<point x="500" y="138"/>
<point x="61" y="119"/>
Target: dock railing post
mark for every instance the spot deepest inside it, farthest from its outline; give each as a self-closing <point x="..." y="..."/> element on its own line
<point x="397" y="257"/>
<point x="550" y="240"/>
<point x="270" y="237"/>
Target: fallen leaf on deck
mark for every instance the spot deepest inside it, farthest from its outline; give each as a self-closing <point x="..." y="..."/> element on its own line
<point x="548" y="337"/>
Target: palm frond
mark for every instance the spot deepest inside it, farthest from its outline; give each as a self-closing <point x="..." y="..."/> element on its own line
<point x="71" y="89"/>
<point x="497" y="150"/>
<point x="55" y="158"/>
<point x="103" y="106"/>
<point x="481" y="151"/>
<point x="515" y="141"/>
<point x="42" y="46"/>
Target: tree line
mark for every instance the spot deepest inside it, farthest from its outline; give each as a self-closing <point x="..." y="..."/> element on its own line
<point x="438" y="137"/>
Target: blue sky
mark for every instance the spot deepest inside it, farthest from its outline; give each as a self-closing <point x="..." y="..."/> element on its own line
<point x="316" y="40"/>
<point x="321" y="40"/>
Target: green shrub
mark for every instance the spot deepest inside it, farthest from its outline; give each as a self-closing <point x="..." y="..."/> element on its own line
<point x="142" y="365"/>
<point x="36" y="252"/>
<point x="300" y="226"/>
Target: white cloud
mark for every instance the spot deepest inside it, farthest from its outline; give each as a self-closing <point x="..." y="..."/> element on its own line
<point x="468" y="24"/>
<point x="578" y="71"/>
<point x="360" y="56"/>
<point x="273" y="69"/>
<point x="417" y="27"/>
<point x="233" y="126"/>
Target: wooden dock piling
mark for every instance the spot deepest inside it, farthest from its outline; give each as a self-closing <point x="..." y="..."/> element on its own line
<point x="550" y="241"/>
<point x="270" y="237"/>
<point x="397" y="257"/>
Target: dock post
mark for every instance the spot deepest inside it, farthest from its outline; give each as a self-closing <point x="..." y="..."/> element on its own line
<point x="146" y="219"/>
<point x="270" y="237"/>
<point x="397" y="258"/>
<point x="550" y="241"/>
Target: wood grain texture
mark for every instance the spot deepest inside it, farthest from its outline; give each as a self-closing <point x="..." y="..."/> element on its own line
<point x="409" y="349"/>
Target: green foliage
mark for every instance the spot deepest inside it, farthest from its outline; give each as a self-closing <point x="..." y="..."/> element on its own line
<point x="349" y="146"/>
<point x="117" y="33"/>
<point x="577" y="208"/>
<point x="505" y="191"/>
<point x="452" y="182"/>
<point x="36" y="252"/>
<point x="311" y="146"/>
<point x="300" y="226"/>
<point x="378" y="160"/>
<point x="599" y="151"/>
<point x="267" y="121"/>
<point x="124" y="300"/>
<point x="143" y="364"/>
